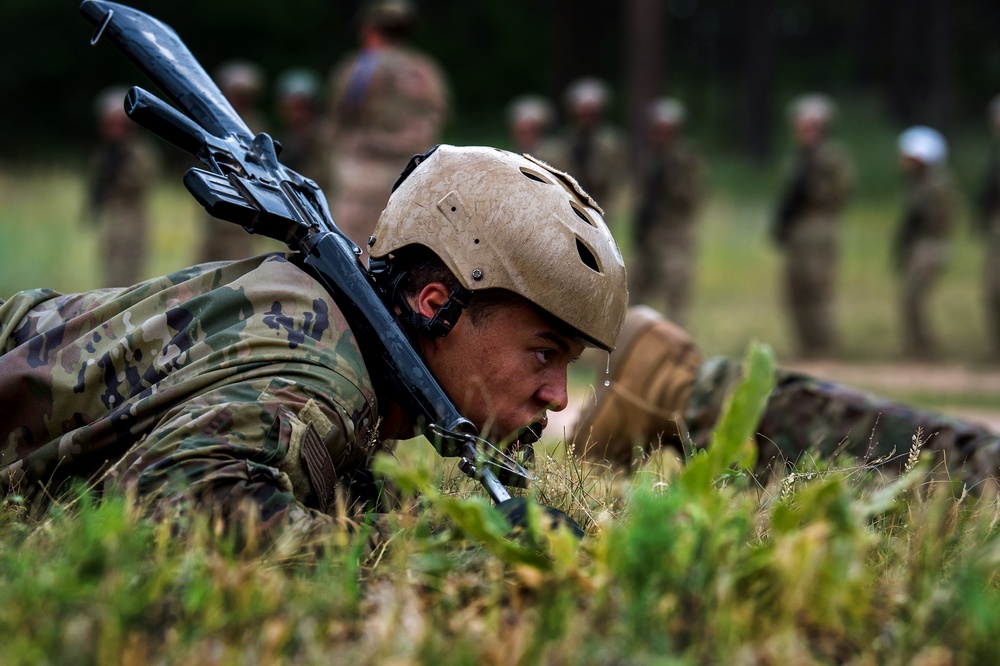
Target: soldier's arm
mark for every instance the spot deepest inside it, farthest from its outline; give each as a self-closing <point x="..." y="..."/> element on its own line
<point x="256" y="452"/>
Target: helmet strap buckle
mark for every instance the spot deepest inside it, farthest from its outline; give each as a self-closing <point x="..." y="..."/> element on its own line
<point x="447" y="315"/>
<point x="443" y="320"/>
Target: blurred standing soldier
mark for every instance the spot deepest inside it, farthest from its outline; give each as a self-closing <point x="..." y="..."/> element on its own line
<point x="807" y="222"/>
<point x="301" y="140"/>
<point x="921" y="243"/>
<point x="122" y="170"/>
<point x="989" y="206"/>
<point x="241" y="82"/>
<point x="529" y="120"/>
<point x="594" y="149"/>
<point x="671" y="191"/>
<point x="388" y="103"/>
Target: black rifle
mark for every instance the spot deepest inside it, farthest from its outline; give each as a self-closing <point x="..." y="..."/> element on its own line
<point x="246" y="184"/>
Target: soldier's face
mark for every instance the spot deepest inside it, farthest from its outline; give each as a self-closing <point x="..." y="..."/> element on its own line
<point x="506" y="370"/>
<point x="808" y="130"/>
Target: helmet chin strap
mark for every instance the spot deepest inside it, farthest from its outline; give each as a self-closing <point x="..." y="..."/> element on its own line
<point x="443" y="320"/>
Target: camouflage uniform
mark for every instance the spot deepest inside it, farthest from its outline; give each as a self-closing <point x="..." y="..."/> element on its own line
<point x="664" y="234"/>
<point x="662" y="391"/>
<point x="303" y="140"/>
<point x="921" y="249"/>
<point x="596" y="159"/>
<point x="388" y="104"/>
<point x="122" y="173"/>
<point x="806" y="228"/>
<point x="241" y="82"/>
<point x="989" y="206"/>
<point x="237" y="386"/>
<point x="529" y="120"/>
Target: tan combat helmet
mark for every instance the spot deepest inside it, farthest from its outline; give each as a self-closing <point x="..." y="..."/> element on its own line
<point x="505" y="221"/>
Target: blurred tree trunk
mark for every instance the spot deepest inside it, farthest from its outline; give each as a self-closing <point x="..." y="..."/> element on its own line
<point x="922" y="79"/>
<point x="759" y="76"/>
<point x="904" y="84"/>
<point x="940" y="17"/>
<point x="645" y="68"/>
<point x="580" y="30"/>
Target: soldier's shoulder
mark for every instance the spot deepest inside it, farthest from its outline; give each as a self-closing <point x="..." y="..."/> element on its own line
<point x="834" y="153"/>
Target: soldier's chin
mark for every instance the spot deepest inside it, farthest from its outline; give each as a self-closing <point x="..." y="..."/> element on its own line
<point x="521" y="436"/>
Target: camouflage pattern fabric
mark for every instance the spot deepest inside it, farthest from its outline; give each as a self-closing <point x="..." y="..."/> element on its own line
<point x="661" y="392"/>
<point x="122" y="174"/>
<point x="672" y="187"/>
<point x="807" y="416"/>
<point x="922" y="243"/>
<point x="387" y="104"/>
<point x="597" y="160"/>
<point x="823" y="176"/>
<point x="236" y="387"/>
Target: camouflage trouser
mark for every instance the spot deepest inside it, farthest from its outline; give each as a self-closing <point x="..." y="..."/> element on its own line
<point x="663" y="270"/>
<point x="810" y="268"/>
<point x="992" y="280"/>
<point x="924" y="263"/>
<point x="808" y="416"/>
<point x="124" y="244"/>
<point x="661" y="391"/>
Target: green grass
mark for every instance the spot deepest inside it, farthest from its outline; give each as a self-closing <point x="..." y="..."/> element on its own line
<point x="835" y="562"/>
<point x="701" y="565"/>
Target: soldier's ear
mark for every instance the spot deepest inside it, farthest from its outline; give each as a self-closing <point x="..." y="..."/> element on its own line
<point x="431" y="298"/>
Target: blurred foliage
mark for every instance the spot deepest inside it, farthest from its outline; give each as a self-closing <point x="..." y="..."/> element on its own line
<point x="494" y="51"/>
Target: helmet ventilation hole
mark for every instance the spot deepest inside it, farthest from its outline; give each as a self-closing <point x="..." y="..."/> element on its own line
<point x="587" y="257"/>
<point x="580" y="214"/>
<point x="535" y="176"/>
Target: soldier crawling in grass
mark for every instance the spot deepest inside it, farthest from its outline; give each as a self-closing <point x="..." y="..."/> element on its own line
<point x="240" y="388"/>
<point x="662" y="391"/>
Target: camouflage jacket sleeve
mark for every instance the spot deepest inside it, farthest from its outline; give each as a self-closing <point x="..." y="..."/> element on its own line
<point x="234" y="387"/>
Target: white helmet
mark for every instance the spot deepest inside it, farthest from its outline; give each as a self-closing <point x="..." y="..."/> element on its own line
<point x="667" y="110"/>
<point x="504" y="221"/>
<point x="813" y="106"/>
<point x="924" y="144"/>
